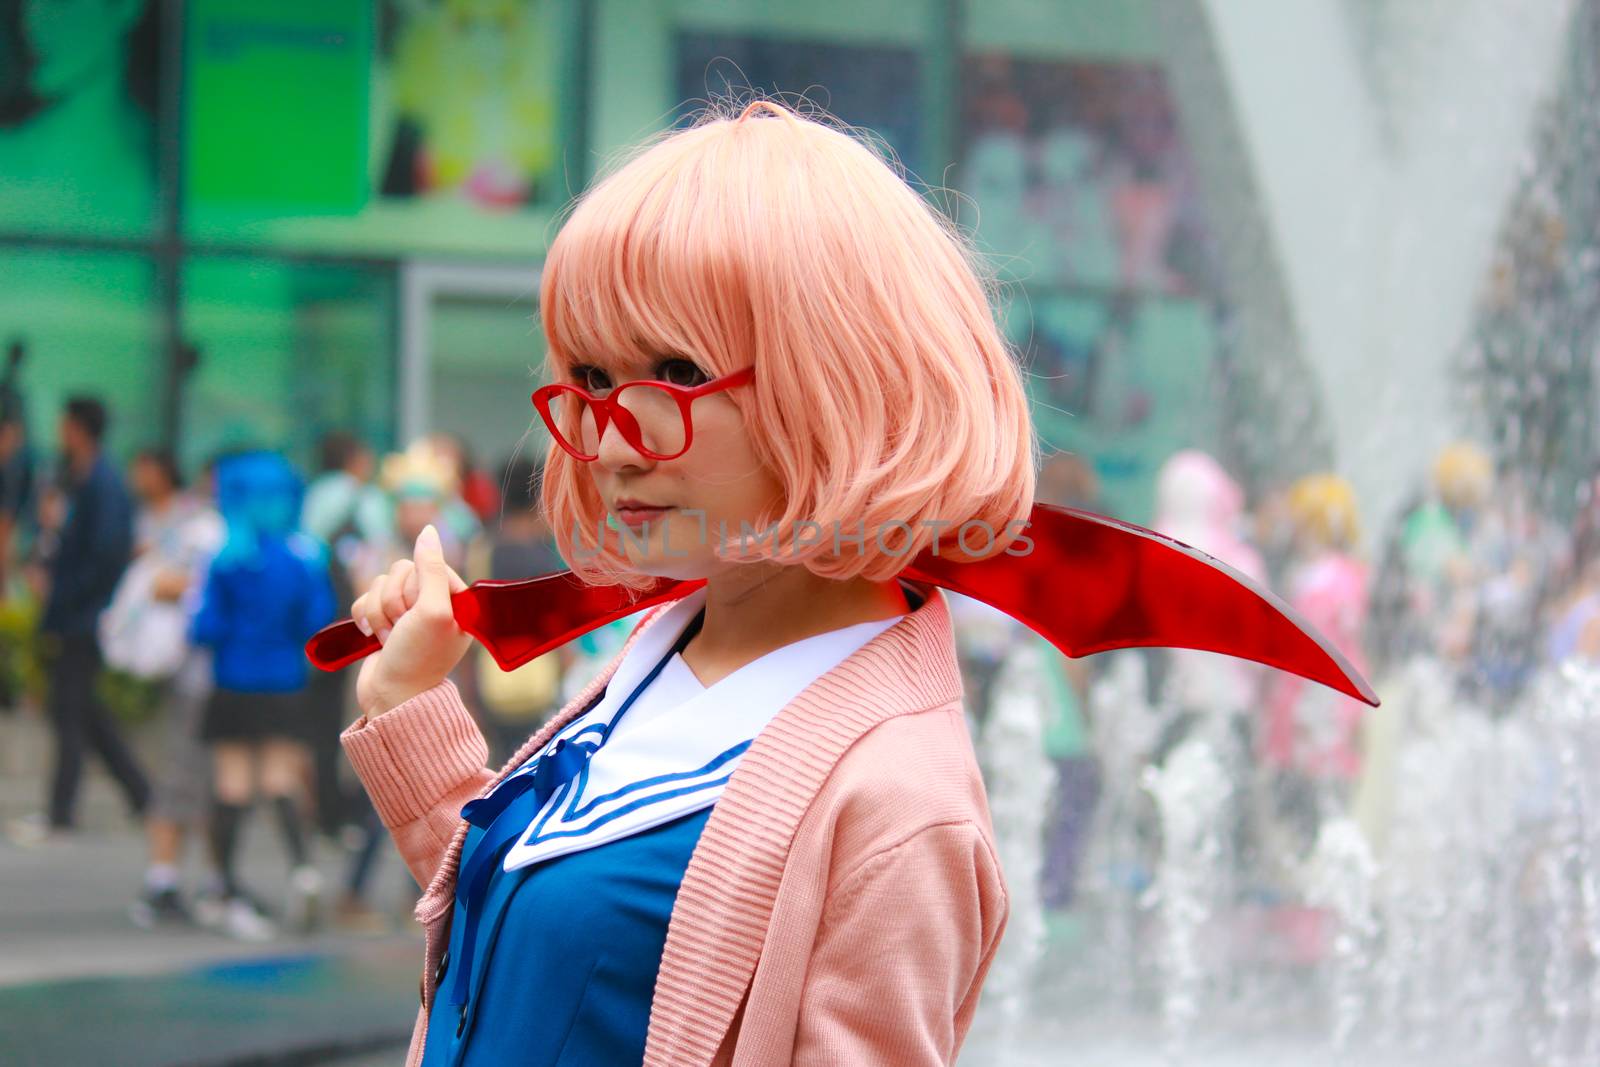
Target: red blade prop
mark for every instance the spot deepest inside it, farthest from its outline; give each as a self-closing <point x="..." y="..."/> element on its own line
<point x="1088" y="584"/>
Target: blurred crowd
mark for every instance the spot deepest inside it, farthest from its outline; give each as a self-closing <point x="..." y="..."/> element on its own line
<point x="1470" y="579"/>
<point x="193" y="594"/>
<point x="203" y="586"/>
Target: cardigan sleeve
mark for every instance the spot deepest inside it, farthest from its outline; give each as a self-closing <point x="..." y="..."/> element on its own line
<point x="420" y="762"/>
<point x="901" y="952"/>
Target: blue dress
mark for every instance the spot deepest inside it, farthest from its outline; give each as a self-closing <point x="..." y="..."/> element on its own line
<point x="567" y="955"/>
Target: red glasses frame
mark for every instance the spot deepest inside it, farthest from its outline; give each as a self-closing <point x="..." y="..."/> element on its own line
<point x="607" y="409"/>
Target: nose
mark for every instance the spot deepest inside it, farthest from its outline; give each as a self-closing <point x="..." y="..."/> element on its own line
<point x="616" y="454"/>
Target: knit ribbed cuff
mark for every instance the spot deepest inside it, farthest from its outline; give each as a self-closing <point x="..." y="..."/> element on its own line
<point x="415" y="755"/>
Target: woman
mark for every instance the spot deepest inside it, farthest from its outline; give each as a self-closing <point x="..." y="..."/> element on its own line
<point x="266" y="591"/>
<point x="1312" y="740"/>
<point x="760" y="835"/>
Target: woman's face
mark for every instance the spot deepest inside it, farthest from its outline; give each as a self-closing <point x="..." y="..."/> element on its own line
<point x="713" y="487"/>
<point x="75" y="42"/>
<point x="411" y="514"/>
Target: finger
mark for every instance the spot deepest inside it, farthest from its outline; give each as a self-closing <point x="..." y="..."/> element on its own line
<point x="377" y="618"/>
<point x="394" y="591"/>
<point x="456" y="584"/>
<point x="433" y="572"/>
<point x="412" y="584"/>
<point x="358" y="614"/>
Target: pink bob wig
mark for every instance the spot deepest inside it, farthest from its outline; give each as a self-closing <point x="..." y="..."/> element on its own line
<point x="884" y="391"/>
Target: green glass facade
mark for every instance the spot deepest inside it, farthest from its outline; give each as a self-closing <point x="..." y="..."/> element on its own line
<point x="247" y="186"/>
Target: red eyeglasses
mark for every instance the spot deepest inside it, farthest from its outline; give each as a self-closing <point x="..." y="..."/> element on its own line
<point x="641" y="409"/>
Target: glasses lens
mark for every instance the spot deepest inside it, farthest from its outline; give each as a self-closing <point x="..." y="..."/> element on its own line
<point x="574" y="422"/>
<point x="659" y="417"/>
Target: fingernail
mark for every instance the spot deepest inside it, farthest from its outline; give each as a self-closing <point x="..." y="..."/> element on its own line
<point x="364" y="626"/>
<point x="383" y="635"/>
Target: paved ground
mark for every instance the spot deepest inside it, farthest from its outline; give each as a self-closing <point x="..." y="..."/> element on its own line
<point x="80" y="984"/>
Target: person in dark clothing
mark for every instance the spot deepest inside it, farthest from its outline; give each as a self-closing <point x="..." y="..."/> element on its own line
<point x="333" y="513"/>
<point x="91" y="547"/>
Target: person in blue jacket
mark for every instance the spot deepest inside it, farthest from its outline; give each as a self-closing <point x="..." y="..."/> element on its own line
<point x="265" y="593"/>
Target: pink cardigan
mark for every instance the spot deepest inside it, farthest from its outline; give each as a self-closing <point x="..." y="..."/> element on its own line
<point x="844" y="901"/>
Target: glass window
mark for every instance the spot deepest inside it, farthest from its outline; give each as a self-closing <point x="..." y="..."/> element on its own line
<point x="287" y="351"/>
<point x="487" y="359"/>
<point x="87" y="324"/>
<point x="1122" y="382"/>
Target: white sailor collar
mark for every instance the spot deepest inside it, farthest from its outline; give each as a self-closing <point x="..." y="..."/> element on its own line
<point x="677" y="758"/>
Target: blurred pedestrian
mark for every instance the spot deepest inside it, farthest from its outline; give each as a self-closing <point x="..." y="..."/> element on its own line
<point x="1437" y="550"/>
<point x="474" y="489"/>
<point x="1313" y="735"/>
<point x="92" y="536"/>
<point x="426" y="476"/>
<point x="265" y="594"/>
<point x="1201" y="505"/>
<point x="341" y="506"/>
<point x="1068" y="481"/>
<point x="176" y="535"/>
<point x="515" y="703"/>
<point x="1574" y="629"/>
<point x="419" y="484"/>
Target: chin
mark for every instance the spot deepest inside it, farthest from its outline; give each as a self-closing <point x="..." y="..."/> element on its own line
<point x="679" y="570"/>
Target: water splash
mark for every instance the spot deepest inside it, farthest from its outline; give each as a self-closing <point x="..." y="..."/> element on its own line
<point x="1191" y="792"/>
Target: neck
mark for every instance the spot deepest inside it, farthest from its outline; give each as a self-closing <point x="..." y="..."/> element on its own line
<point x="754" y="609"/>
<point x="81" y="463"/>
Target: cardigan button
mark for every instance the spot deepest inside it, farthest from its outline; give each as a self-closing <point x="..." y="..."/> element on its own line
<point x="444" y="965"/>
<point x="462" y="1025"/>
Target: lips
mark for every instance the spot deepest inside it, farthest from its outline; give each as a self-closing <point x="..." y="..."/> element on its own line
<point x="635" y="513"/>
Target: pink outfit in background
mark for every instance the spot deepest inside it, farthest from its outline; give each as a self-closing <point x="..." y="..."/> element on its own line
<point x="1198" y="504"/>
<point x="844" y="902"/>
<point x="1310" y="728"/>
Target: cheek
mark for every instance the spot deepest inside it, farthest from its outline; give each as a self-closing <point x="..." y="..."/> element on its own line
<point x="725" y="477"/>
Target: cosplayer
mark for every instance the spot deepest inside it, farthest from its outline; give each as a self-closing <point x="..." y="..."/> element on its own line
<point x="264" y="592"/>
<point x="849" y="865"/>
<point x="760" y="835"/>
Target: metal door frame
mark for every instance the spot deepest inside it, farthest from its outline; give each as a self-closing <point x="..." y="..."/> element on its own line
<point x="422" y="283"/>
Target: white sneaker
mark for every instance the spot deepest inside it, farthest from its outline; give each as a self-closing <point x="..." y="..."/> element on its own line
<point x="303" y="912"/>
<point x="245" y="923"/>
<point x="211" y="910"/>
<point x="33" y="830"/>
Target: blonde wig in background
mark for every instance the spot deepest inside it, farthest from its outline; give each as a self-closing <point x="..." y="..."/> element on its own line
<point x="884" y="391"/>
<point x="1323" y="507"/>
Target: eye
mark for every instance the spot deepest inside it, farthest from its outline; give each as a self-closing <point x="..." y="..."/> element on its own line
<point x="591" y="378"/>
<point x="680" y="371"/>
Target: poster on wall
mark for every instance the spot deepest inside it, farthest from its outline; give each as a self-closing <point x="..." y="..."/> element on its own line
<point x="1080" y="174"/>
<point x="869" y="85"/>
<point x="401" y="126"/>
<point x="78" y="100"/>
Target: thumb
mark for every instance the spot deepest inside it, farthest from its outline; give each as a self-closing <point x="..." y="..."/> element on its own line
<point x="433" y="573"/>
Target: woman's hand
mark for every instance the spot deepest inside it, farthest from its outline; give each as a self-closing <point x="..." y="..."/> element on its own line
<point x="409" y="611"/>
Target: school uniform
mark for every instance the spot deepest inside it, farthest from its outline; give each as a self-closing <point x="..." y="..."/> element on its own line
<point x="667" y="872"/>
<point x="571" y="865"/>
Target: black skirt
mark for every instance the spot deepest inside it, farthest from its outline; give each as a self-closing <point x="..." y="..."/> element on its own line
<point x="235" y="716"/>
